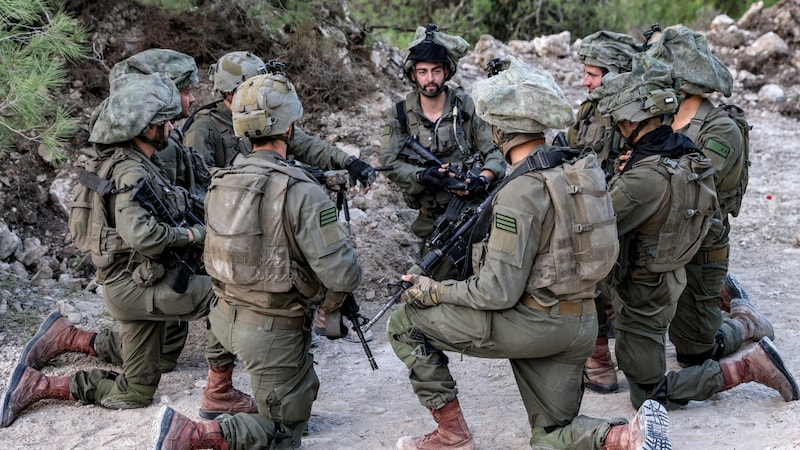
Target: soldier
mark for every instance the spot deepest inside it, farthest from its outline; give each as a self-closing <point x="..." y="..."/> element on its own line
<point x="211" y="131"/>
<point x="515" y="306"/>
<point x="698" y="330"/>
<point x="601" y="53"/>
<point x="444" y="121"/>
<point x="263" y="313"/>
<point x="649" y="276"/>
<point x="133" y="123"/>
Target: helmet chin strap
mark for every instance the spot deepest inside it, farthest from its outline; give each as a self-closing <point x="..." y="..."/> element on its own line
<point x="160" y="142"/>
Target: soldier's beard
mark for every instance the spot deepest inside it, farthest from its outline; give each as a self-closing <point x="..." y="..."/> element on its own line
<point x="428" y="93"/>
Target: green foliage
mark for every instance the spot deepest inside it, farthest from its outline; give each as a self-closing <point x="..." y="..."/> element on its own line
<point x="35" y="43"/>
<point x="173" y="5"/>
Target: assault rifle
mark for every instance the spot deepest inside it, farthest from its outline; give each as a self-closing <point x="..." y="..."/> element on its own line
<point x="418" y="154"/>
<point x="495" y="66"/>
<point x="455" y="247"/>
<point x="189" y="259"/>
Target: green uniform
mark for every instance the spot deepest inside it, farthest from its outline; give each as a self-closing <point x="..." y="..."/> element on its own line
<point x="699" y="330"/>
<point x="135" y="296"/>
<point x="645" y="301"/>
<point x="594" y="132"/>
<point x="451" y="143"/>
<point x="500" y="313"/>
<point x="252" y="325"/>
<point x="211" y="133"/>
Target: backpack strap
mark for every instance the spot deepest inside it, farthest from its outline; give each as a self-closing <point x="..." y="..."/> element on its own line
<point x="400" y="111"/>
<point x="699" y="120"/>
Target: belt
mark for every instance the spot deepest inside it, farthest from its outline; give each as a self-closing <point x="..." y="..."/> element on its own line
<point x="564" y="308"/>
<point x="255" y="318"/>
<point x="705" y="257"/>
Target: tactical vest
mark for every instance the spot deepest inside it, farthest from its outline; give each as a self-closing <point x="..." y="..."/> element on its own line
<point x="231" y="144"/>
<point x="247" y="246"/>
<point x="584" y="244"/>
<point x="595" y="132"/>
<point x="692" y="203"/>
<point x="731" y="190"/>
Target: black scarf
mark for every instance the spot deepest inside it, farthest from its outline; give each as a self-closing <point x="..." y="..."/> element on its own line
<point x="662" y="141"/>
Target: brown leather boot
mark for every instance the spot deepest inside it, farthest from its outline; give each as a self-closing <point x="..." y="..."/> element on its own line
<point x="56" y="336"/>
<point x="648" y="430"/>
<point x="26" y="387"/>
<point x="220" y="397"/>
<point x="452" y="434"/>
<point x="600" y="375"/>
<point x="763" y="365"/>
<point x="174" y="431"/>
<point x="731" y="290"/>
<point x="754" y="324"/>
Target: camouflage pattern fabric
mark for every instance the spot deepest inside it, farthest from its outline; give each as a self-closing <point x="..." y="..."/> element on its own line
<point x="648" y="90"/>
<point x="692" y="63"/>
<point x="455" y="46"/>
<point x="522" y="99"/>
<point x="135" y="102"/>
<point x="609" y="50"/>
<point x="179" y="67"/>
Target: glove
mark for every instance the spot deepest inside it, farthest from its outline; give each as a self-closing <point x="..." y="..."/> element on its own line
<point x="361" y="171"/>
<point x="431" y="177"/>
<point x="477" y="185"/>
<point x="199" y="233"/>
<point x="423" y="293"/>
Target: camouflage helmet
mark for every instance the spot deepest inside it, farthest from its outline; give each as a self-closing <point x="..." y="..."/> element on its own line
<point x="692" y="63"/>
<point x="136" y="101"/>
<point x="233" y="68"/>
<point x="431" y="45"/>
<point x="179" y="67"/>
<point x="265" y="105"/>
<point x="609" y="50"/>
<point x="521" y="99"/>
<point x="648" y="90"/>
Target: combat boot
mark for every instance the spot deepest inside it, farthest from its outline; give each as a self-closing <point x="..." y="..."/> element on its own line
<point x="763" y="365"/>
<point x="731" y="290"/>
<point x="754" y="324"/>
<point x="56" y="336"/>
<point x="452" y="433"/>
<point x="220" y="397"/>
<point x="26" y="387"/>
<point x="599" y="374"/>
<point x="648" y="430"/>
<point x="174" y="431"/>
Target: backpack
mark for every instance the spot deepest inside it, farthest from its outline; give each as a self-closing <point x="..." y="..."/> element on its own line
<point x="692" y="204"/>
<point x="585" y="243"/>
<point x="88" y="212"/>
<point x="730" y="200"/>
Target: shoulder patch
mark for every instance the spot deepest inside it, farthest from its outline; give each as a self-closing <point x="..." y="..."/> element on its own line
<point x="718" y="147"/>
<point x="387" y="130"/>
<point x="327" y="217"/>
<point x="505" y="223"/>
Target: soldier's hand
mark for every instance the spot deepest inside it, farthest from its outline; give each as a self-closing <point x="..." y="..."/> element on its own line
<point x="423" y="292"/>
<point x="477" y="186"/>
<point x="361" y="171"/>
<point x="199" y="234"/>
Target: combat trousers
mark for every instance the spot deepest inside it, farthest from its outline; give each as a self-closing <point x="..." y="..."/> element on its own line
<point x="142" y="313"/>
<point x="698" y="329"/>
<point x="108" y="345"/>
<point x="644" y="305"/>
<point x="282" y="375"/>
<point x="546" y="351"/>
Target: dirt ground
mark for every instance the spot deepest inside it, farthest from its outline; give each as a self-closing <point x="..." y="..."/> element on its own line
<point x="358" y="408"/>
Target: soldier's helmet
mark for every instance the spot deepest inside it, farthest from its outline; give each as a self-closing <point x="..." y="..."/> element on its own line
<point x="136" y="101"/>
<point x="648" y="90"/>
<point x="179" y="67"/>
<point x="233" y="69"/>
<point x="687" y="52"/>
<point x="265" y="105"/>
<point x="430" y="45"/>
<point x="609" y="50"/>
<point x="522" y="99"/>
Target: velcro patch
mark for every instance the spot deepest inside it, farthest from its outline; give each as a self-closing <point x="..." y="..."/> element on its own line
<point x="327" y="217"/>
<point x="718" y="147"/>
<point x="505" y="223"/>
<point x="387" y="130"/>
